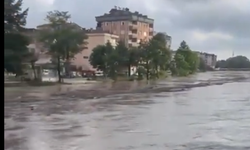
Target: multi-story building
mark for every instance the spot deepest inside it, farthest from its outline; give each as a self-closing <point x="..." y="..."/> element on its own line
<point x="168" y="41"/>
<point x="95" y="38"/>
<point x="209" y="59"/>
<point x="81" y="60"/>
<point x="131" y="27"/>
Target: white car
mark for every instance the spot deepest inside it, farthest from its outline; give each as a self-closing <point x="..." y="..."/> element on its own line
<point x="99" y="73"/>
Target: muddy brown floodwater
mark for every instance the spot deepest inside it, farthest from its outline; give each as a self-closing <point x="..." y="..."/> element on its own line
<point x="213" y="117"/>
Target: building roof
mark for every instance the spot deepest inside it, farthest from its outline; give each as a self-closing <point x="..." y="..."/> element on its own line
<point x="125" y="14"/>
<point x="99" y="31"/>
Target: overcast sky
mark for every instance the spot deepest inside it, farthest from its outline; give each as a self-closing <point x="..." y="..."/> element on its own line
<point x="214" y="26"/>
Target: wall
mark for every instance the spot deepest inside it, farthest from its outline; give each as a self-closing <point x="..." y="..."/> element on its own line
<point x="209" y="59"/>
<point x="95" y="39"/>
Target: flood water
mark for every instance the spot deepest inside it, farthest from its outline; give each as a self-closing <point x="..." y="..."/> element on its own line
<point x="206" y="118"/>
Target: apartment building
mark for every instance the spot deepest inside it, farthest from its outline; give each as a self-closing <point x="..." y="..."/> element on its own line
<point x="131" y="27"/>
<point x="95" y="38"/>
<point x="168" y="41"/>
<point x="209" y="59"/>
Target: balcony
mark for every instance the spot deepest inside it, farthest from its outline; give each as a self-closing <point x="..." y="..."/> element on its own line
<point x="134" y="23"/>
<point x="131" y="36"/>
<point x="133" y="39"/>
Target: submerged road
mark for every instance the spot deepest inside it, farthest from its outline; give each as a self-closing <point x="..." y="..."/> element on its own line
<point x="207" y="118"/>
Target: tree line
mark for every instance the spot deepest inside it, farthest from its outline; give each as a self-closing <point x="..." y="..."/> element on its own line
<point x="152" y="59"/>
<point x="234" y="62"/>
<point x="63" y="40"/>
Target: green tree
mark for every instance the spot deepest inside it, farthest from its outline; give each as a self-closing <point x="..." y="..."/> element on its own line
<point x="15" y="44"/>
<point x="155" y="56"/>
<point x="181" y="66"/>
<point x="15" y="51"/>
<point x="161" y="54"/>
<point x="122" y="51"/>
<point x="191" y="58"/>
<point x="104" y="58"/>
<point x="133" y="58"/>
<point x="62" y="39"/>
<point x="14" y="17"/>
<point x="128" y="57"/>
<point x="234" y="62"/>
<point x="146" y="55"/>
<point x="202" y="65"/>
<point x="73" y="44"/>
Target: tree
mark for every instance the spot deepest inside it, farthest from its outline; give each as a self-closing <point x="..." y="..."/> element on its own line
<point x="202" y="65"/>
<point x="104" y="58"/>
<point x="153" y="56"/>
<point x="133" y="58"/>
<point x="122" y="51"/>
<point x="62" y="39"/>
<point x="14" y="17"/>
<point x="15" y="44"/>
<point x="32" y="57"/>
<point x="187" y="61"/>
<point x="146" y="55"/>
<point x="15" y="51"/>
<point x="161" y="54"/>
<point x="234" y="62"/>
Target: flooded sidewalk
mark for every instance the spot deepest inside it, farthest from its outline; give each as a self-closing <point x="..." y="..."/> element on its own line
<point x="93" y="90"/>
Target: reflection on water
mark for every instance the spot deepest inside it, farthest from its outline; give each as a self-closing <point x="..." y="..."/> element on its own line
<point x="213" y="117"/>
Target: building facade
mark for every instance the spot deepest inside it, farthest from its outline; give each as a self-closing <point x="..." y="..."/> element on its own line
<point x="81" y="60"/>
<point x="95" y="38"/>
<point x="168" y="41"/>
<point x="131" y="27"/>
<point x="209" y="59"/>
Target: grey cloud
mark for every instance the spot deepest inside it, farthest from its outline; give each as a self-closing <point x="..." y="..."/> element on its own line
<point x="218" y="18"/>
<point x="176" y="17"/>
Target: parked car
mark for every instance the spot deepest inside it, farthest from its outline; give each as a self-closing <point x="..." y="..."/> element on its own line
<point x="99" y="73"/>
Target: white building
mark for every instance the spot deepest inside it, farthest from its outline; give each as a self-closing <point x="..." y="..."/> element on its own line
<point x="209" y="59"/>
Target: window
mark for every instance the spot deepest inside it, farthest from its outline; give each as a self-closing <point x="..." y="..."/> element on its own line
<point x="107" y="24"/>
<point x="122" y="23"/>
<point x="85" y="57"/>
